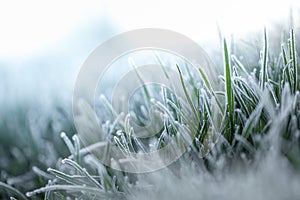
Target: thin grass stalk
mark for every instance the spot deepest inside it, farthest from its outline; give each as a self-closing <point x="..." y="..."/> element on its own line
<point x="294" y="61"/>
<point x="264" y="70"/>
<point x="229" y="93"/>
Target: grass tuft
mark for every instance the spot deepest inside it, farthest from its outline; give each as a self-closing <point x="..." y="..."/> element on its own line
<point x="250" y="126"/>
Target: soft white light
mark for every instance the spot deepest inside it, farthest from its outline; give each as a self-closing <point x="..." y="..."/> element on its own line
<point x="198" y="19"/>
<point x="28" y="26"/>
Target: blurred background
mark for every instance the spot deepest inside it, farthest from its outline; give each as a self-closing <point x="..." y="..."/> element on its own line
<point x="44" y="43"/>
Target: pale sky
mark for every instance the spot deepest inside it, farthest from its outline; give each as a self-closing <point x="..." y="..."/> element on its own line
<point x="28" y="26"/>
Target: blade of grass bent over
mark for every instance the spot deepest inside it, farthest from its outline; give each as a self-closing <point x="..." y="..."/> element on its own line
<point x="12" y="189"/>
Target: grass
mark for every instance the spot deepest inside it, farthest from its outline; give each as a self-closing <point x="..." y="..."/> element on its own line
<point x="251" y="125"/>
<point x="229" y="94"/>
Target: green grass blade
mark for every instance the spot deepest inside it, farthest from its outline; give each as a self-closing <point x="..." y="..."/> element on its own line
<point x="229" y="92"/>
<point x="294" y="60"/>
<point x="145" y="89"/>
<point x="161" y="64"/>
<point x="209" y="87"/>
<point x="187" y="94"/>
<point x="264" y="70"/>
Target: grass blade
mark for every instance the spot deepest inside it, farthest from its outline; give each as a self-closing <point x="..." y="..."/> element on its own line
<point x="264" y="70"/>
<point x="209" y="87"/>
<point x="229" y="92"/>
<point x="187" y="94"/>
<point x="75" y="189"/>
<point x="13" y="190"/>
<point x="294" y="60"/>
<point x="286" y="64"/>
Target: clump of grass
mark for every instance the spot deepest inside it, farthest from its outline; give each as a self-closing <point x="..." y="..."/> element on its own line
<point x="29" y="138"/>
<point x="252" y="120"/>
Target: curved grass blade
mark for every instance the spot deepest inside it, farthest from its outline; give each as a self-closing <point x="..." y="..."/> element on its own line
<point x="75" y="188"/>
<point x="13" y="190"/>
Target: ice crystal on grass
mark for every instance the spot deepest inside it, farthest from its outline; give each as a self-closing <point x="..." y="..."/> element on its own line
<point x="242" y="131"/>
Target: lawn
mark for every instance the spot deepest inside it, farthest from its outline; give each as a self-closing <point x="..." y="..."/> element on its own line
<point x="243" y="132"/>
